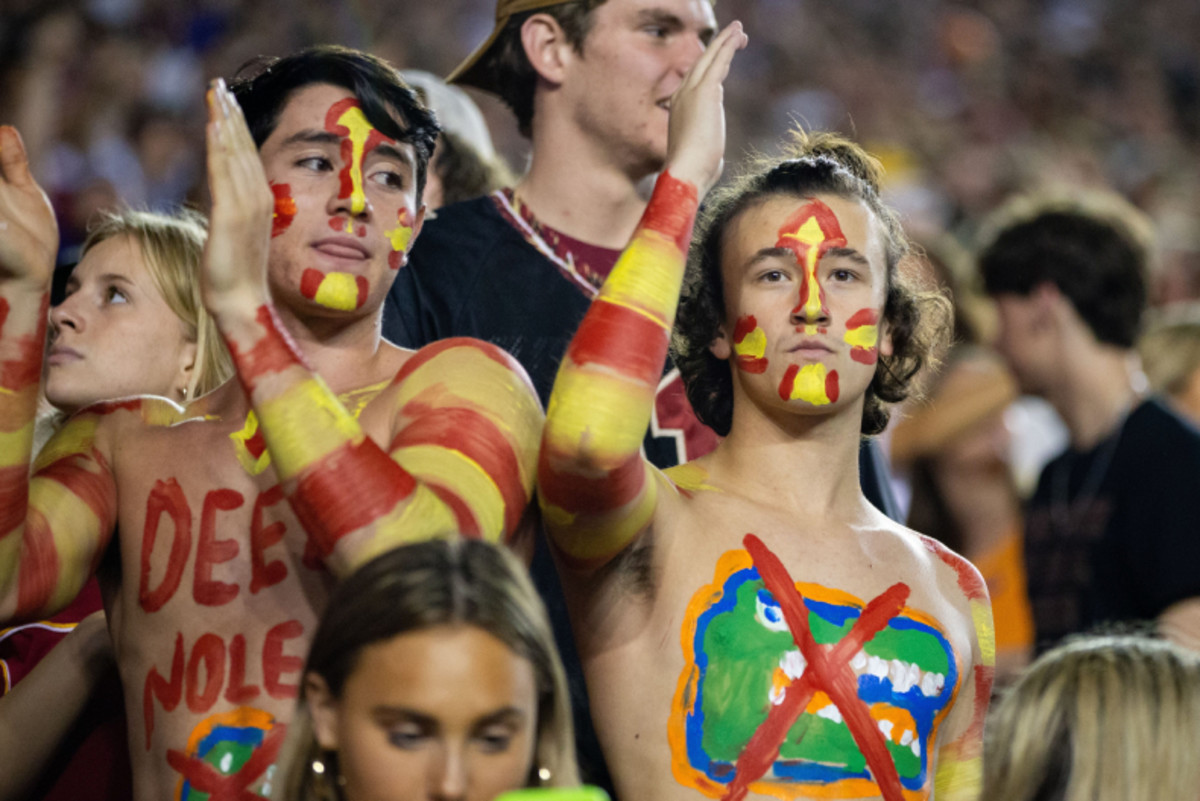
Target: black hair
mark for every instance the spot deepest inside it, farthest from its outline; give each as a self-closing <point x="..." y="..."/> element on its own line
<point x="263" y="86"/>
<point x="1098" y="260"/>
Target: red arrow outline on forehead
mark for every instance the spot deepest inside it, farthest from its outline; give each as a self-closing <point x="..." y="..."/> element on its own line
<point x="832" y="237"/>
<point x="828" y="670"/>
<point x="234" y="787"/>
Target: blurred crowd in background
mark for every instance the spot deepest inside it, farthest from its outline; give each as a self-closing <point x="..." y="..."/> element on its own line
<point x="964" y="102"/>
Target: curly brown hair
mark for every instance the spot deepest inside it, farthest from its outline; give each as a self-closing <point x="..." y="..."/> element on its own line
<point x="813" y="163"/>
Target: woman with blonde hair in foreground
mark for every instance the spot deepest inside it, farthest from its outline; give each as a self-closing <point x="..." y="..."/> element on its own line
<point x="1101" y="718"/>
<point x="433" y="674"/>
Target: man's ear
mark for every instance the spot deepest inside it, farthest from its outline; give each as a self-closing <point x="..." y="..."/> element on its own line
<point x="721" y="347"/>
<point x="546" y="47"/>
<point x="323" y="709"/>
<point x="885" y="338"/>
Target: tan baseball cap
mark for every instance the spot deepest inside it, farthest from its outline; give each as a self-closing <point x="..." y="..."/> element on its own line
<point x="473" y="72"/>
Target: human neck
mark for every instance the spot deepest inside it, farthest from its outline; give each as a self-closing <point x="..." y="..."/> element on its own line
<point x="1095" y="394"/>
<point x="581" y="191"/>
<point x="805" y="464"/>
<point x="345" y="353"/>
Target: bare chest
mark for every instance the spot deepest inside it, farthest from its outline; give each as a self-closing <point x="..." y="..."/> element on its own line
<point x="789" y="661"/>
<point x="217" y="598"/>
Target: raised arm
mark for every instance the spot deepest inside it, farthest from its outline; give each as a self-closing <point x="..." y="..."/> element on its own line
<point x="54" y="527"/>
<point x="596" y="490"/>
<point x="466" y="422"/>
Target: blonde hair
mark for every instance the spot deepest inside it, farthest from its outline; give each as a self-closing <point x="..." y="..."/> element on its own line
<point x="421" y="586"/>
<point x="1102" y="718"/>
<point x="1170" y="349"/>
<point x="172" y="246"/>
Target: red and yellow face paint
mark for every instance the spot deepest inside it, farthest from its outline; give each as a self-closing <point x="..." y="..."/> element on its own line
<point x="400" y="238"/>
<point x="285" y="208"/>
<point x="811" y="383"/>
<point x="335" y="290"/>
<point x="811" y="231"/>
<point x="359" y="137"/>
<point x="862" y="335"/>
<point x="750" y="345"/>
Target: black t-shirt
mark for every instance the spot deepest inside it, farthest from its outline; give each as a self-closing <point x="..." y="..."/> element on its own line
<point x="1113" y="533"/>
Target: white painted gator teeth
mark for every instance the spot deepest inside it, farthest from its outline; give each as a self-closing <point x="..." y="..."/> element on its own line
<point x="830" y="712"/>
<point x="903" y="675"/>
<point x="793" y="663"/>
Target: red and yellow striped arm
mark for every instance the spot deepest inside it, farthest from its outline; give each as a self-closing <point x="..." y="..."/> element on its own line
<point x="959" y="774"/>
<point x="55" y="525"/>
<point x="596" y="491"/>
<point x="461" y="458"/>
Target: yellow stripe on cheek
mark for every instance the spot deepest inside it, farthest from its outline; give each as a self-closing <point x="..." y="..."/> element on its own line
<point x="304" y="425"/>
<point x="981" y="614"/>
<point x="753" y="344"/>
<point x="16" y="445"/>
<point x="602" y="413"/>
<point x="654" y="285"/>
<point x="865" y="336"/>
<point x="464" y="477"/>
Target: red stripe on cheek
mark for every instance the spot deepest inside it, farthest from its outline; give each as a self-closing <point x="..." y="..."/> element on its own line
<point x="863" y="317"/>
<point x="38" y="572"/>
<point x="620" y="338"/>
<point x="672" y="210"/>
<point x="831" y="386"/>
<point x="478" y="438"/>
<point x="273" y="353"/>
<point x="363" y="288"/>
<point x="585" y="494"/>
<point x="285" y="208"/>
<point x="348" y="489"/>
<point x="864" y="355"/>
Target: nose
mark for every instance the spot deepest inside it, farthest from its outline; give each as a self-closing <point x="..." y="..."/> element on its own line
<point x="448" y="774"/>
<point x="66" y="315"/>
<point x="811" y="310"/>
<point x="691" y="46"/>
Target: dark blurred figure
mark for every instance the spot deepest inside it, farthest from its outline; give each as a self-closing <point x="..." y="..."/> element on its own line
<point x="1111" y="530"/>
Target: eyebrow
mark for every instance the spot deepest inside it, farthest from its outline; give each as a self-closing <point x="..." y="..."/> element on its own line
<point x="671" y="21"/>
<point x="311" y="136"/>
<point x="788" y="253"/>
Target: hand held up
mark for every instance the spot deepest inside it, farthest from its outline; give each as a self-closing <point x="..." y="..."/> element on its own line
<point x="696" y="138"/>
<point x="28" y="230"/>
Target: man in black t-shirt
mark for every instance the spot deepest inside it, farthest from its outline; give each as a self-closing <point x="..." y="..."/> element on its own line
<point x="1113" y="529"/>
<point x="590" y="86"/>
